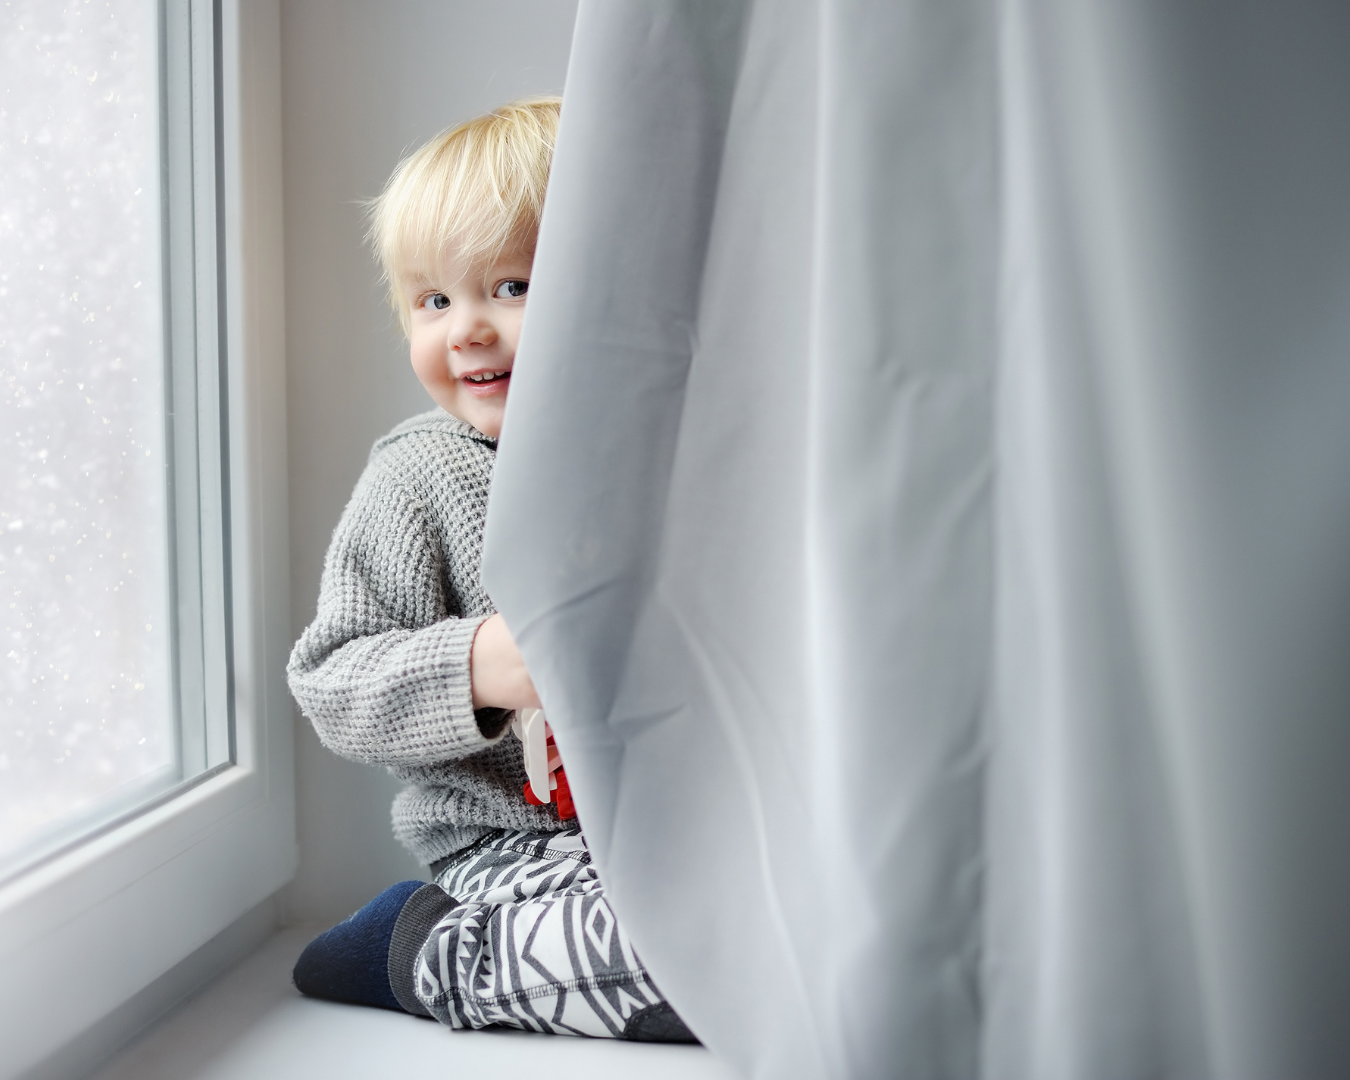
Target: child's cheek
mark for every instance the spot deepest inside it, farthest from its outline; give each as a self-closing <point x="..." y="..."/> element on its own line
<point x="429" y="365"/>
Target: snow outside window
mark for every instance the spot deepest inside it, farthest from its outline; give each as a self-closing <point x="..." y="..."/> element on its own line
<point x="111" y="564"/>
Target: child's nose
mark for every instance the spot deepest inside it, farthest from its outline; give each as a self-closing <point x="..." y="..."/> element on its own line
<point x="471" y="328"/>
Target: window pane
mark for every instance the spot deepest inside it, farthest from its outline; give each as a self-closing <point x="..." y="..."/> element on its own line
<point x="88" y="720"/>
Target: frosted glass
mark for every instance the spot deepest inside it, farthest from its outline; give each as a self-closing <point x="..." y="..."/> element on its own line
<point x="84" y="554"/>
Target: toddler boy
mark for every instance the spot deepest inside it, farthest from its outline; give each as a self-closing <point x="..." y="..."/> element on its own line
<point x="406" y="664"/>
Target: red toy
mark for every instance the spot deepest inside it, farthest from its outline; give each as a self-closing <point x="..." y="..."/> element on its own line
<point x="543" y="764"/>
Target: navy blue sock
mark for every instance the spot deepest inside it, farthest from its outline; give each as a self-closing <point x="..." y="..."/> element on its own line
<point x="350" y="962"/>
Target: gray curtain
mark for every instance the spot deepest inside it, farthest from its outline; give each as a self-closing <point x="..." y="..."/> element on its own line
<point x="924" y="506"/>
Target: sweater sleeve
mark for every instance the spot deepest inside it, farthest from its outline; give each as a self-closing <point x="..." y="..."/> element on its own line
<point x="383" y="671"/>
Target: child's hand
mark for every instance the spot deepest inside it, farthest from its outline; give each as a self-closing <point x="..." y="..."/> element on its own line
<point x="497" y="670"/>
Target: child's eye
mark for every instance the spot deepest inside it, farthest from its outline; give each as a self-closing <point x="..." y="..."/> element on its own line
<point x="513" y="289"/>
<point x="436" y="301"/>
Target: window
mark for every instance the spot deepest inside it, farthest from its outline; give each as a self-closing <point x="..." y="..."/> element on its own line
<point x="113" y="565"/>
<point x="125" y="871"/>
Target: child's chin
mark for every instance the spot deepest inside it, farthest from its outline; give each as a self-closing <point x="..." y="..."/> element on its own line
<point x="487" y="420"/>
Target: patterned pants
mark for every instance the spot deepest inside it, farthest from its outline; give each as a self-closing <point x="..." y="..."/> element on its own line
<point x="533" y="944"/>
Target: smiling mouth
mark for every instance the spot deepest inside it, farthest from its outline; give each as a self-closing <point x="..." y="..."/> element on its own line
<point x="481" y="377"/>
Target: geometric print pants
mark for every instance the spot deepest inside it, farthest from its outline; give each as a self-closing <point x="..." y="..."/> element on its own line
<point x="533" y="944"/>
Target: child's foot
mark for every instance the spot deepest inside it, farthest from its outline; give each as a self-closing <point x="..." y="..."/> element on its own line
<point x="368" y="959"/>
<point x="658" y="1023"/>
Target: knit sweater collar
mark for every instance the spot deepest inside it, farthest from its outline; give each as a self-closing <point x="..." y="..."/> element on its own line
<point x="463" y="427"/>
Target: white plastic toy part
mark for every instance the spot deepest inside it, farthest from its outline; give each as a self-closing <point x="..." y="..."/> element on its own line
<point x="532" y="730"/>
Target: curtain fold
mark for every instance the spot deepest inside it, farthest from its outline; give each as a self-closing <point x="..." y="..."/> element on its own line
<point x="924" y="505"/>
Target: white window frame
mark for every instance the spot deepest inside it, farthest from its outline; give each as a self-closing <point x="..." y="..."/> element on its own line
<point x="84" y="932"/>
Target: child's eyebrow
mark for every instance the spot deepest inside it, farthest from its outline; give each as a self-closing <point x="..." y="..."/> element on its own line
<point x="418" y="283"/>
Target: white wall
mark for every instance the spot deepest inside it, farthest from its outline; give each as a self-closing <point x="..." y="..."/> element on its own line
<point x="364" y="82"/>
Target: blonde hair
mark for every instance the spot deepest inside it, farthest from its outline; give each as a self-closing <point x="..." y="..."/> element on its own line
<point x="473" y="189"/>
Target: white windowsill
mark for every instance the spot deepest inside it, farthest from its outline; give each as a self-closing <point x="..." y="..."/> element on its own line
<point x="252" y="1024"/>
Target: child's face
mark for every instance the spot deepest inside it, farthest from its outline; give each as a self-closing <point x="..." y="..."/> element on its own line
<point x="465" y="325"/>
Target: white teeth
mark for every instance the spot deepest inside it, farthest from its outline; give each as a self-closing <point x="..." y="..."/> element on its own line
<point x="487" y="377"/>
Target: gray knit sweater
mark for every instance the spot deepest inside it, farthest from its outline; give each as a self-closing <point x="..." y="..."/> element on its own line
<point x="383" y="671"/>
